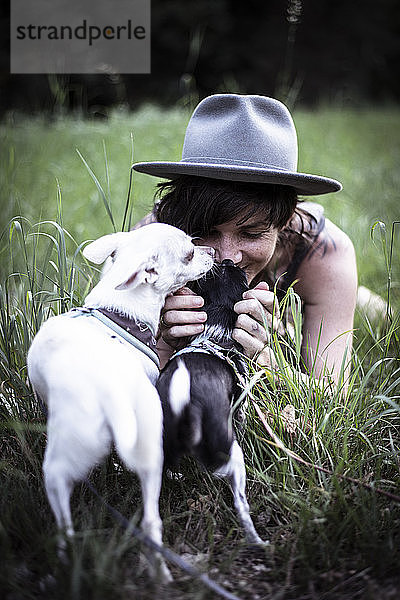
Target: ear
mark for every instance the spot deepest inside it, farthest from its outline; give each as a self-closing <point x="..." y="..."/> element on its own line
<point x="146" y="273"/>
<point x="102" y="248"/>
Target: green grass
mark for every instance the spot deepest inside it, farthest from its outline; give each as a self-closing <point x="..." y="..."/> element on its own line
<point x="331" y="537"/>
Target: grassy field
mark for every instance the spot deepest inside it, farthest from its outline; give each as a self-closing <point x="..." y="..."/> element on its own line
<point x="330" y="537"/>
<point x="360" y="149"/>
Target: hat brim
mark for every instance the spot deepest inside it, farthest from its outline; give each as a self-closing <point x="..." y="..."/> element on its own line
<point x="303" y="183"/>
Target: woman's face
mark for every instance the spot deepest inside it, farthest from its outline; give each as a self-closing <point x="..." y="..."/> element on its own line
<point x="249" y="245"/>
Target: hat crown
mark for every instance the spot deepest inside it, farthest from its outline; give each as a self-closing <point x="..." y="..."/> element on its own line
<point x="244" y="130"/>
<point x="241" y="138"/>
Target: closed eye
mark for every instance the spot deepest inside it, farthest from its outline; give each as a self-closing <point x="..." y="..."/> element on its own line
<point x="253" y="235"/>
<point x="189" y="256"/>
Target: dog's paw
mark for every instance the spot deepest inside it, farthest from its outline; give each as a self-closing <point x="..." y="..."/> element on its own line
<point x="155" y="565"/>
<point x="164" y="574"/>
<point x="264" y="544"/>
<point x="256" y="541"/>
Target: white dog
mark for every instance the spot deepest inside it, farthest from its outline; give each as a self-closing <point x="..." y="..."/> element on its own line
<point x="98" y="380"/>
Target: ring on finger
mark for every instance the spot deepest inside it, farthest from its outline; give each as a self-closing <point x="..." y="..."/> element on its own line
<point x="163" y="323"/>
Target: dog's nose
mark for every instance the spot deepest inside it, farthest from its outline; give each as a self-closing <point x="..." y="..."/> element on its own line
<point x="227" y="262"/>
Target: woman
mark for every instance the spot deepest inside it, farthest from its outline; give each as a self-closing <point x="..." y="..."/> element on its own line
<point x="236" y="189"/>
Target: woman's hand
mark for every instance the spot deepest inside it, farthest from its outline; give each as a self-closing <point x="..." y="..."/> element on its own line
<point x="180" y="317"/>
<point x="258" y="314"/>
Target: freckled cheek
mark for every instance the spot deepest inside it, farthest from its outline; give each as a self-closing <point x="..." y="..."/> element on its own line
<point x="261" y="255"/>
<point x="257" y="259"/>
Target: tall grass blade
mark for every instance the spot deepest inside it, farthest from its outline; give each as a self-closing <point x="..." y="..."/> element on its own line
<point x="100" y="190"/>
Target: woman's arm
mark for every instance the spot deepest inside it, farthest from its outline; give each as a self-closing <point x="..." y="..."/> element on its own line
<point x="328" y="286"/>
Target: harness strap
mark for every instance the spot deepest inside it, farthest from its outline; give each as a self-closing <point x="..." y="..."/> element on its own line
<point x="213" y="349"/>
<point x="134" y="341"/>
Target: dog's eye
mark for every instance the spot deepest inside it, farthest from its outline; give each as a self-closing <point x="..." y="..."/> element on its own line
<point x="189" y="256"/>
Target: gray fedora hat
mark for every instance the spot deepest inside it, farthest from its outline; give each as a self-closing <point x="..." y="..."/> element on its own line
<point x="242" y="138"/>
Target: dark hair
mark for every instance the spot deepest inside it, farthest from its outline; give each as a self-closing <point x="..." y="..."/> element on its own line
<point x="197" y="204"/>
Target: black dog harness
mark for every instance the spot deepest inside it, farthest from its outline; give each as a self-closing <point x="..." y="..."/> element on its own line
<point x="136" y="334"/>
<point x="206" y="346"/>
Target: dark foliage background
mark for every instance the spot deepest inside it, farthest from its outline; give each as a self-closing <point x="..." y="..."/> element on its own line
<point x="304" y="51"/>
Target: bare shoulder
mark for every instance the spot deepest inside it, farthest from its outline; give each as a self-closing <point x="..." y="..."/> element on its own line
<point x="340" y="241"/>
<point x="329" y="266"/>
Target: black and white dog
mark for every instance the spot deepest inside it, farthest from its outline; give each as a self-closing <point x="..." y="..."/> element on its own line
<point x="200" y="385"/>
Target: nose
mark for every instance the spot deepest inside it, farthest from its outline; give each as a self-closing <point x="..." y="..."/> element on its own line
<point x="227" y="249"/>
<point x="227" y="263"/>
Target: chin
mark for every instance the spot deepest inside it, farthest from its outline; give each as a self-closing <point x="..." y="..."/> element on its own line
<point x="253" y="275"/>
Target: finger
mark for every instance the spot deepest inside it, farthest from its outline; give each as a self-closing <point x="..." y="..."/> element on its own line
<point x="251" y="345"/>
<point x="170" y="318"/>
<point x="252" y="327"/>
<point x="253" y="308"/>
<point x="263" y="285"/>
<point x="178" y="332"/>
<point x="266" y="298"/>
<point x="183" y="302"/>
<point x="254" y="348"/>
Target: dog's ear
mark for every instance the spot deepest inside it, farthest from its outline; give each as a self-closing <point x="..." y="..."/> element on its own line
<point x="145" y="273"/>
<point x="100" y="249"/>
